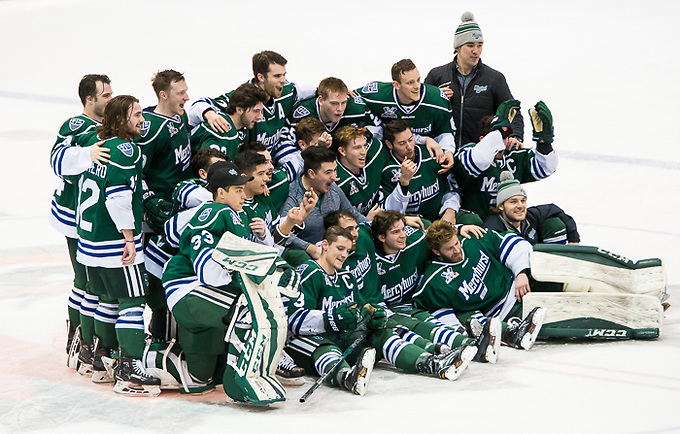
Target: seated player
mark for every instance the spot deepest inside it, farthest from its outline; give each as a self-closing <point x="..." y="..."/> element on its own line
<point x="331" y="313"/>
<point x="477" y="168"/>
<point x="486" y="277"/>
<point x="537" y="224"/>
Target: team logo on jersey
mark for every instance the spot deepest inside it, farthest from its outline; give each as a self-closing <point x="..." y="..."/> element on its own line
<point x="370" y="88"/>
<point x="359" y="100"/>
<point x="204" y="214"/>
<point x="126" y="149"/>
<point x="75" y="123"/>
<point x="328" y="281"/>
<point x="396" y="174"/>
<point x="241" y="134"/>
<point x="480" y="89"/>
<point x="301" y="268"/>
<point x="172" y="129"/>
<point x="234" y="216"/>
<point x="409" y="230"/>
<point x="301" y="112"/>
<point x="449" y="275"/>
<point x="380" y="269"/>
<point x="443" y="95"/>
<point x="146" y="126"/>
<point x="389" y="112"/>
<point x="353" y="189"/>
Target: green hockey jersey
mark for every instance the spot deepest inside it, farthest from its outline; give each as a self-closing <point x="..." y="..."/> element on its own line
<point x="228" y="143"/>
<point x="361" y="264"/>
<point x="363" y="190"/>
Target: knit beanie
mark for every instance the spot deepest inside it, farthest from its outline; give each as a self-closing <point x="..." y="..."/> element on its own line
<point x="467" y="31"/>
<point x="508" y="187"/>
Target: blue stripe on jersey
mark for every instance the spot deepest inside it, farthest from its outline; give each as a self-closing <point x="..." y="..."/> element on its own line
<point x="200" y="262"/>
<point x="62" y="217"/>
<point x="116" y="189"/>
<point x="297" y="320"/>
<point x="469" y="164"/>
<point x="509" y="242"/>
<point x="185" y="192"/>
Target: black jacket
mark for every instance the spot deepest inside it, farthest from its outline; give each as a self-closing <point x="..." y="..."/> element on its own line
<point x="530" y="228"/>
<point x="481" y="97"/>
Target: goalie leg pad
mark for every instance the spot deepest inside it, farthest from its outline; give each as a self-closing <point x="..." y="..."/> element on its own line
<point x="591" y="269"/>
<point x="597" y="315"/>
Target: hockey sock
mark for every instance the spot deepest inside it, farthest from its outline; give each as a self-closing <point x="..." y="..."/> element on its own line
<point x="130" y="327"/>
<point x="400" y="353"/>
<point x="75" y="299"/>
<point x="105" y="316"/>
<point x="325" y="358"/>
<point x="87" y="309"/>
<point x="414" y="339"/>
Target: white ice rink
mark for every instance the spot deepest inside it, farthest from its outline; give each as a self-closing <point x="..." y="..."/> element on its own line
<point x="608" y="71"/>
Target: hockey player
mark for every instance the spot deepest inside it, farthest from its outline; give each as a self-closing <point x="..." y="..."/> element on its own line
<point x="474" y="89"/>
<point x="329" y="314"/>
<point x="310" y="131"/>
<point x="110" y="244"/>
<point x="360" y="167"/>
<point x="68" y="160"/>
<point x="243" y="111"/>
<point x="423" y="106"/>
<point x="536" y="224"/>
<point x="269" y="70"/>
<point x="478" y="167"/>
<point x="485" y="278"/>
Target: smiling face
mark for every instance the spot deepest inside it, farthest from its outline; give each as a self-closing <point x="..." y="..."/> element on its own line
<point x="351" y="224"/>
<point x="514" y="209"/>
<point x="394" y="239"/>
<point x="175" y="97"/>
<point x="408" y="86"/>
<point x="334" y="254"/>
<point x="135" y="120"/>
<point x="100" y="100"/>
<point x="248" y="117"/>
<point x="259" y="182"/>
<point x="353" y="156"/>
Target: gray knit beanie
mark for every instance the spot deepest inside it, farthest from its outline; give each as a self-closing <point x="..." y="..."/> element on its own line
<point x="467" y="31"/>
<point x="508" y="187"/>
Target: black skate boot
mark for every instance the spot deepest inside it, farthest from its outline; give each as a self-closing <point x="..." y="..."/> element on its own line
<point x="133" y="380"/>
<point x="522" y="334"/>
<point x="99" y="372"/>
<point x="474" y="326"/>
<point x="288" y="372"/>
<point x="448" y="366"/>
<point x="489" y="343"/>
<point x="356" y="378"/>
<point x="85" y="359"/>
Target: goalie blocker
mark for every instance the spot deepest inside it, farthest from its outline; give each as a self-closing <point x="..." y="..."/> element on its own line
<point x="607" y="296"/>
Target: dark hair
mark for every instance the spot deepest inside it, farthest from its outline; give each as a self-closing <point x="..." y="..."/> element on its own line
<point x="383" y="222"/>
<point x="334" y="232"/>
<point x="116" y="118"/>
<point x="246" y="96"/>
<point x="401" y="67"/>
<point x="307" y="128"/>
<point x="485" y="126"/>
<point x="315" y="156"/>
<point x="88" y="86"/>
<point x="201" y="159"/>
<point x="252" y="146"/>
<point x="333" y="218"/>
<point x="248" y="161"/>
<point x="394" y="127"/>
<point x="163" y="79"/>
<point x="262" y="60"/>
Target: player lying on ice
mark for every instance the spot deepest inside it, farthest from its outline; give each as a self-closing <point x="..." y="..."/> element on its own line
<point x="330" y="314"/>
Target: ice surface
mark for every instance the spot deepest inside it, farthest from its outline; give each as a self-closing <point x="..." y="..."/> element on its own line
<point x="607" y="70"/>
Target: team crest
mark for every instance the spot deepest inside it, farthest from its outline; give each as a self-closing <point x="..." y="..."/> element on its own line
<point x="75" y="123"/>
<point x="370" y="87"/>
<point x="301" y="268"/>
<point x="146" y="126"/>
<point x="449" y="275"/>
<point x="172" y="129"/>
<point x="396" y="174"/>
<point x="359" y="100"/>
<point x="353" y="189"/>
<point x="204" y="214"/>
<point x="380" y="269"/>
<point x="126" y="149"/>
<point x="301" y="112"/>
<point x="441" y="92"/>
<point x="234" y="216"/>
<point x="328" y="281"/>
<point x="389" y="112"/>
<point x="241" y="135"/>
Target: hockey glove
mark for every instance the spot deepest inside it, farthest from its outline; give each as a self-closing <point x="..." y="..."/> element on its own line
<point x="156" y="212"/>
<point x="343" y="318"/>
<point x="377" y="315"/>
<point x="542" y="123"/>
<point x="505" y="113"/>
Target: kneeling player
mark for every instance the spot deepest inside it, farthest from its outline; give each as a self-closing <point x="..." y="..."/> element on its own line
<point x="328" y="316"/>
<point x="484" y="277"/>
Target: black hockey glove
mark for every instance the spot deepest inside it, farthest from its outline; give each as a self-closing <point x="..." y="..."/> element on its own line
<point x="156" y="212"/>
<point x="343" y="318"/>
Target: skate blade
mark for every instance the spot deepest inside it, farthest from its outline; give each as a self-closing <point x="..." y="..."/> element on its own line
<point x="367" y="362"/>
<point x="494" y="347"/>
<point x="291" y="381"/>
<point x="131" y="389"/>
<point x="84" y="369"/>
<point x="100" y="377"/>
<point x="457" y="369"/>
<point x="529" y="338"/>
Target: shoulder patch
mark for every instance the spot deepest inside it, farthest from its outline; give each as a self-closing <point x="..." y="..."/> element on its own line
<point x="204" y="214"/>
<point x="370" y="88"/>
<point x="126" y="149"/>
<point x="410" y="230"/>
<point x="449" y="275"/>
<point x="301" y="112"/>
<point x="75" y="123"/>
<point x="301" y="268"/>
<point x="359" y="100"/>
<point x="146" y="125"/>
<point x="443" y="95"/>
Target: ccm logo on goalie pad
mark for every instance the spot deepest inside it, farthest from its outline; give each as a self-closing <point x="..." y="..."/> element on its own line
<point x="607" y="333"/>
<point x="239" y="264"/>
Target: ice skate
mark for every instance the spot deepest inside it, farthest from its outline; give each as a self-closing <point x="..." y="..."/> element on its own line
<point x="85" y="359"/>
<point x="356" y="378"/>
<point x="99" y="372"/>
<point x="288" y="372"/>
<point x="489" y="343"/>
<point x="73" y="349"/>
<point x="448" y="366"/>
<point x="522" y="334"/>
<point x="133" y="380"/>
<point x="473" y="326"/>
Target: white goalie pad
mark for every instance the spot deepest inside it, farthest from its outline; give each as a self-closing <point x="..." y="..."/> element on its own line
<point x="597" y="315"/>
<point x="238" y="254"/>
<point x="591" y="269"/>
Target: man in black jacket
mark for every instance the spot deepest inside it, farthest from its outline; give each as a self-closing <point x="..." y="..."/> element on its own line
<point x="536" y="224"/>
<point x="475" y="90"/>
